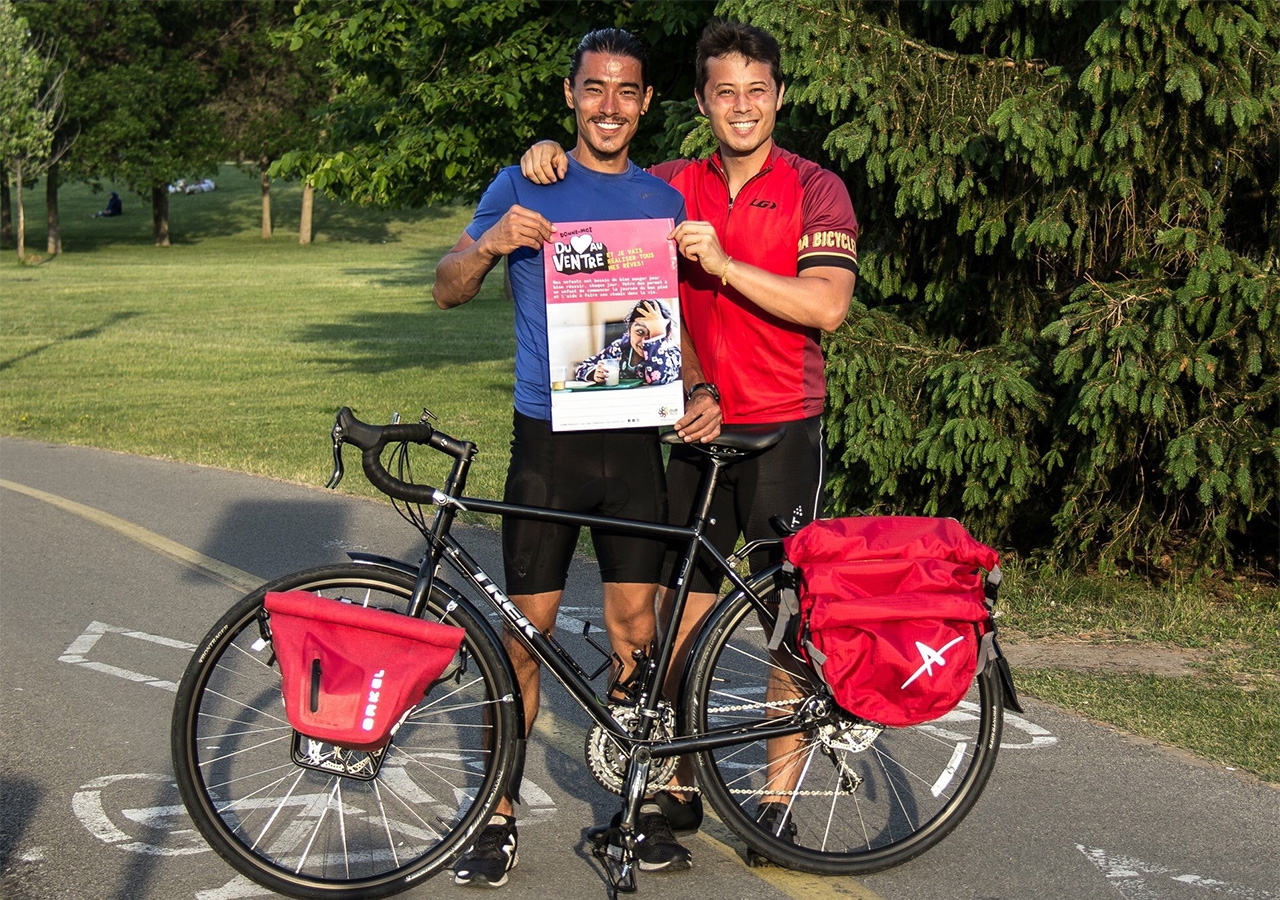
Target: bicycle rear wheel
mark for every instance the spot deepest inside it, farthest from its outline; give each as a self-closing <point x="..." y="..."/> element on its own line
<point x="855" y="797"/>
<point x="317" y="821"/>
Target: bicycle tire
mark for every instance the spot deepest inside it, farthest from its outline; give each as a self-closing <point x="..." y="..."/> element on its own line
<point x="866" y="799"/>
<point x="313" y="834"/>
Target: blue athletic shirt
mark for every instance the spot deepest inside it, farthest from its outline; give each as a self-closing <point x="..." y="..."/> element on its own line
<point x="584" y="195"/>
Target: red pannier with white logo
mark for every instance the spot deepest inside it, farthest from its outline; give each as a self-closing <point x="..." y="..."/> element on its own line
<point x="350" y="672"/>
<point x="892" y="612"/>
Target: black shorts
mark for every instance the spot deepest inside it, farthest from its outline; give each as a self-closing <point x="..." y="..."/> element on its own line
<point x="785" y="481"/>
<point x="613" y="472"/>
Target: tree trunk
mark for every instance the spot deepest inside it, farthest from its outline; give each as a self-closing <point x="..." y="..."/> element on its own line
<point x="19" y="233"/>
<point x="52" y="221"/>
<point x="160" y="214"/>
<point x="6" y="212"/>
<point x="266" y="197"/>
<point x="308" y="202"/>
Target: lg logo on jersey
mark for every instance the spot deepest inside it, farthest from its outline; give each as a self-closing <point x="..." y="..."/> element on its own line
<point x="763" y="204"/>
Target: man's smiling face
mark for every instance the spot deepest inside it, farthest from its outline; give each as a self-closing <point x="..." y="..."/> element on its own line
<point x="608" y="98"/>
<point x="741" y="100"/>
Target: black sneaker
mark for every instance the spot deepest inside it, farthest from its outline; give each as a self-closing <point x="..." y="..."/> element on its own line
<point x="656" y="847"/>
<point x="487" y="862"/>
<point x="684" y="816"/>
<point x="773" y="818"/>
<point x="771" y="815"/>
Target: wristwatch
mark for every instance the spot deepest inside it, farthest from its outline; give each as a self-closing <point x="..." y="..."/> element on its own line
<point x="704" y="386"/>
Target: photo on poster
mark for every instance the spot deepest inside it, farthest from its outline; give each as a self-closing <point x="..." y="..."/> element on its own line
<point x="613" y="325"/>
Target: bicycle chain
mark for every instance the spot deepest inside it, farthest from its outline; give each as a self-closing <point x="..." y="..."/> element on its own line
<point x="690" y="789"/>
<point x="768" y="704"/>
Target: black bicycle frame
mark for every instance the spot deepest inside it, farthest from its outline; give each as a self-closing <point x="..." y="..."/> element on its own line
<point x="544" y="648"/>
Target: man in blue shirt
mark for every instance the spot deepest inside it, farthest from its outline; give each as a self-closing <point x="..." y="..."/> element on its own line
<point x="613" y="472"/>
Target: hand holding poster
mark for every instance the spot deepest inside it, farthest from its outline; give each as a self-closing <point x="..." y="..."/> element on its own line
<point x="613" y="325"/>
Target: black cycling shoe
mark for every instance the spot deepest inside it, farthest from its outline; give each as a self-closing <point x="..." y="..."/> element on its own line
<point x="773" y="818"/>
<point x="656" y="847"/>
<point x="684" y="816"/>
<point x="487" y="862"/>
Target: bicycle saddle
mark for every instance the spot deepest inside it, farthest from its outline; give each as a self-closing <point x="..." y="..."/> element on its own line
<point x="746" y="440"/>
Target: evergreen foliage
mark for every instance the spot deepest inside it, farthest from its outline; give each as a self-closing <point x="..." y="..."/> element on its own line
<point x="1065" y="331"/>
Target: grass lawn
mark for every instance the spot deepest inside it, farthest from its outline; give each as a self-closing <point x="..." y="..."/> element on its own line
<point x="233" y="351"/>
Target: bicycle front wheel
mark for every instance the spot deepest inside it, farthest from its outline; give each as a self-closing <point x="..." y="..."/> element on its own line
<point x="841" y="796"/>
<point x="317" y="821"/>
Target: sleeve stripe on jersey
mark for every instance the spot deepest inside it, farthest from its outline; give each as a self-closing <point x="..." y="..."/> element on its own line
<point x="812" y="260"/>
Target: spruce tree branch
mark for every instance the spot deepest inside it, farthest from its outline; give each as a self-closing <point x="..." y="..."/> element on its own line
<point x="1031" y="65"/>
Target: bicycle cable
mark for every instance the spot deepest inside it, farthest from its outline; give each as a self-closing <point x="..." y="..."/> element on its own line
<point x="410" y="512"/>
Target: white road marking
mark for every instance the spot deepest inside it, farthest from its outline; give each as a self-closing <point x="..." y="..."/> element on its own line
<point x="1134" y="879"/>
<point x="87" y="804"/>
<point x="89" y="799"/>
<point x="235" y="889"/>
<point x="85" y="643"/>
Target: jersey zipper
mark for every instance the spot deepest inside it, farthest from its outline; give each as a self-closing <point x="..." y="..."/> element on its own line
<point x="716" y="295"/>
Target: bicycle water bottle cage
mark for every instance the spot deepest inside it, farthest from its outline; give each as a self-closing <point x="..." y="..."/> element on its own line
<point x="628" y="691"/>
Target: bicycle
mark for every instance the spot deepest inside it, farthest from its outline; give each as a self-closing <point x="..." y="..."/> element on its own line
<point x="320" y="821"/>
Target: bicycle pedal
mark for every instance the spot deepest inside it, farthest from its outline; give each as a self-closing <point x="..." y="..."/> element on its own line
<point x="619" y="862"/>
<point x="599" y="835"/>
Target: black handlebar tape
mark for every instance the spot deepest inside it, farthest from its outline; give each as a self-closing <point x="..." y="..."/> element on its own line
<point x="384" y="481"/>
<point x="372" y="439"/>
<point x="375" y="437"/>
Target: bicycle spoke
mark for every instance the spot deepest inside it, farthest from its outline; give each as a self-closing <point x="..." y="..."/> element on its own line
<point x="890" y="792"/>
<point x="334" y="817"/>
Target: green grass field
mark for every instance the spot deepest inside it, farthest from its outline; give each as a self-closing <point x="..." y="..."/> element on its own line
<point x="233" y="351"/>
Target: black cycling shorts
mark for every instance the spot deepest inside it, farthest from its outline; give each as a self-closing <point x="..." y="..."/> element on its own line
<point x="785" y="481"/>
<point x="612" y="472"/>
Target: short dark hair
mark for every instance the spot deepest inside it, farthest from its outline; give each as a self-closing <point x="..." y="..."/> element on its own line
<point x="615" y="41"/>
<point x="721" y="38"/>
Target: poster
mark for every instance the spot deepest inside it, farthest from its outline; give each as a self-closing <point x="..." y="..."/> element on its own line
<point x="613" y="325"/>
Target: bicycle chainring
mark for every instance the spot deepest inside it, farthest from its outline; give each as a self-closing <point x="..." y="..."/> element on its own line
<point x="608" y="761"/>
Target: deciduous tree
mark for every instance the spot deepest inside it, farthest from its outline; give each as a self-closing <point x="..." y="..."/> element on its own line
<point x="140" y="77"/>
<point x="30" y="108"/>
<point x="433" y="97"/>
<point x="268" y="93"/>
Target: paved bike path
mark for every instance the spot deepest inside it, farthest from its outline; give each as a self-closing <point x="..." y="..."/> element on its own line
<point x="111" y="566"/>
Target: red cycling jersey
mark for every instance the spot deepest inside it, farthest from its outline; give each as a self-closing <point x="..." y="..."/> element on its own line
<point x="792" y="215"/>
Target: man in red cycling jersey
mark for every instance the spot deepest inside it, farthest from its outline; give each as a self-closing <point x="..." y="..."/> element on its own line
<point x="769" y="262"/>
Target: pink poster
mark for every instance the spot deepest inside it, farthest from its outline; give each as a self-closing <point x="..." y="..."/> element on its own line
<point x="613" y="325"/>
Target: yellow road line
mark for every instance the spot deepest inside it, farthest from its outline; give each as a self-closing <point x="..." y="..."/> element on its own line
<point x="553" y="730"/>
<point x="206" y="565"/>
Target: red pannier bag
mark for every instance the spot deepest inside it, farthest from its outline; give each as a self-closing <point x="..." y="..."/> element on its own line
<point x="350" y="672"/>
<point x="893" y="610"/>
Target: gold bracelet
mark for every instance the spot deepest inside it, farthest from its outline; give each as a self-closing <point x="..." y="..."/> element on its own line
<point x="724" y="273"/>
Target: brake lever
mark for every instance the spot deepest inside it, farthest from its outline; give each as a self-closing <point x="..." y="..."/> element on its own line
<point x="336" y="478"/>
